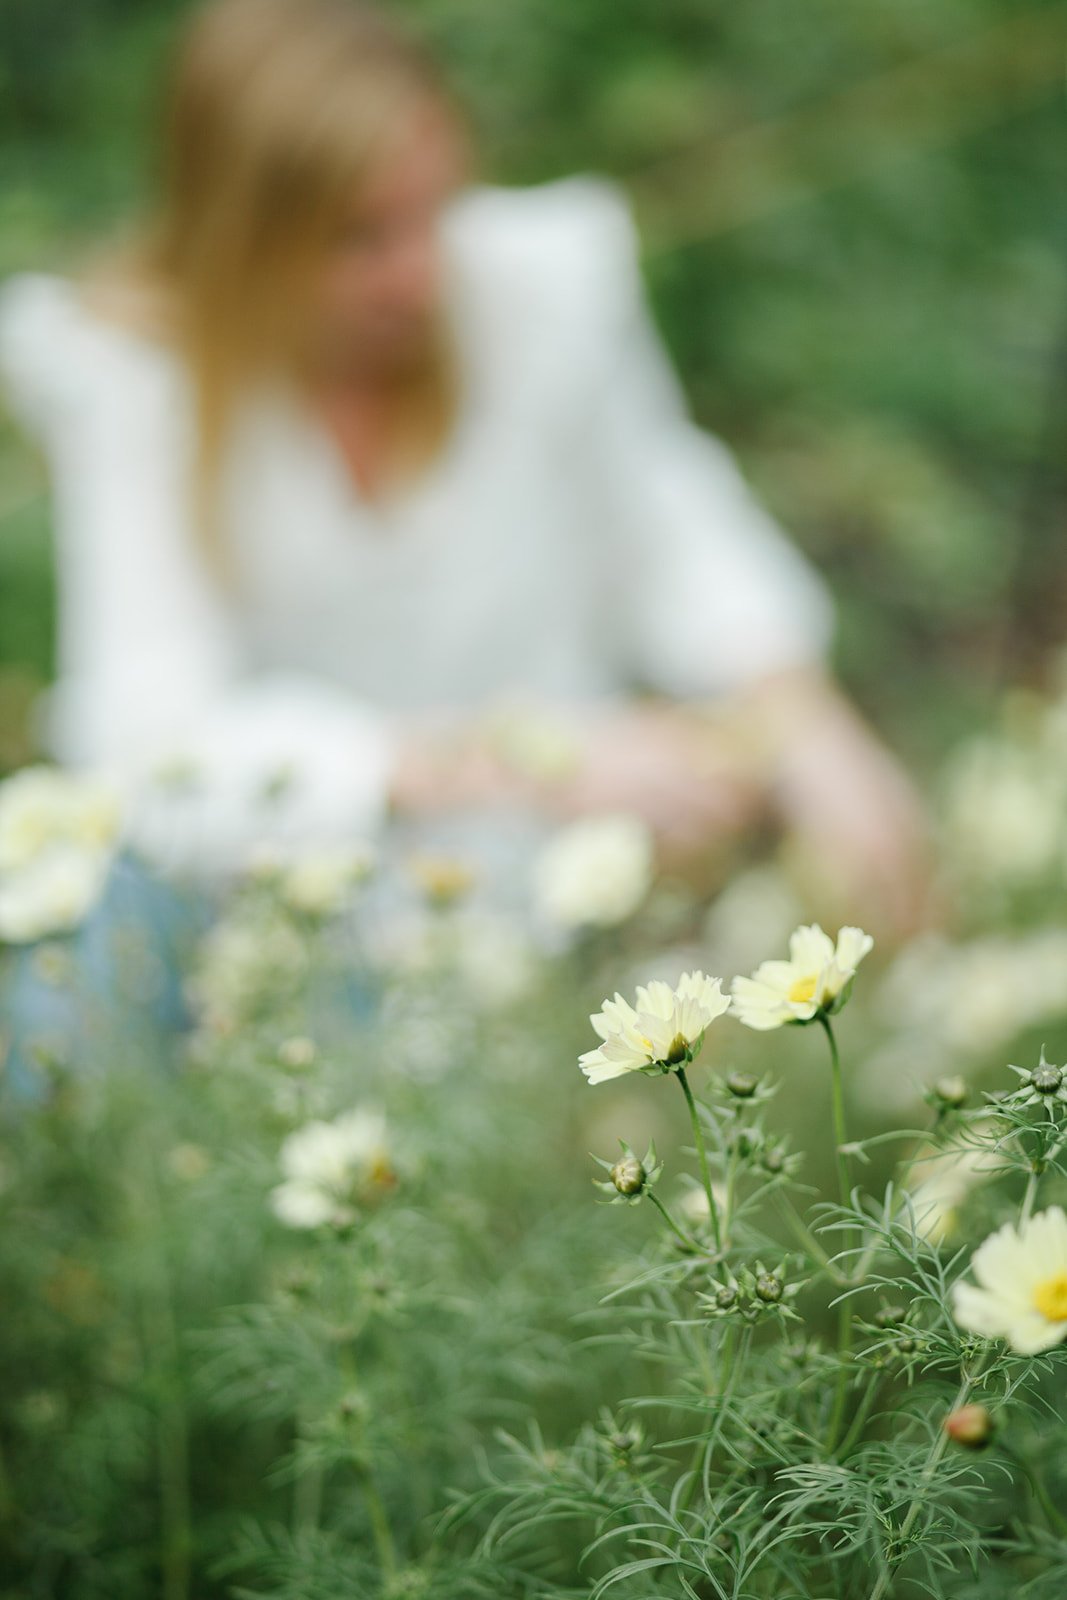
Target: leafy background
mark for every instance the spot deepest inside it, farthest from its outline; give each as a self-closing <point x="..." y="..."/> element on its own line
<point x="855" y="247"/>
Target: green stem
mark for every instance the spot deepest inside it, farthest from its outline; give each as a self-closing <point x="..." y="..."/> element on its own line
<point x="698" y="1138"/>
<point x="1028" y="1198"/>
<point x="863" y="1411"/>
<point x="379" y="1521"/>
<point x="844" y="1180"/>
<point x="735" y="1360"/>
<point x="805" y="1236"/>
<point x="844" y="1184"/>
<point x="937" y="1450"/>
<point x="689" y="1243"/>
<point x="163" y="1360"/>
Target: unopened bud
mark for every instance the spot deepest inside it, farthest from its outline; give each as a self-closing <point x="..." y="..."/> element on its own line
<point x="970" y="1426"/>
<point x="887" y="1316"/>
<point x="768" y="1288"/>
<point x="742" y="1085"/>
<point x="725" y="1297"/>
<point x="1046" y="1078"/>
<point x="628" y="1175"/>
<point x="952" y="1092"/>
<point x="773" y="1161"/>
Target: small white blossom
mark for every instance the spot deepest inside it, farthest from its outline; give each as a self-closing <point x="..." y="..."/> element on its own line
<point x="814" y="979"/>
<point x="1022" y="1285"/>
<point x="663" y="1031"/>
<point x="594" y="873"/>
<point x="332" y="1169"/>
<point x="58" y="835"/>
<point x="319" y="882"/>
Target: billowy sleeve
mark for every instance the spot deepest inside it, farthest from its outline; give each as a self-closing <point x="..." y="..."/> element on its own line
<point x="703" y="593"/>
<point x="216" y="761"/>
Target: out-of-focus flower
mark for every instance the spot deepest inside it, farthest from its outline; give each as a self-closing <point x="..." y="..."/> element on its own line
<point x="693" y="1204"/>
<point x="58" y="836"/>
<point x="594" y="873"/>
<point x="971" y="999"/>
<point x="946" y="1177"/>
<point x="815" y="979"/>
<point x="442" y="879"/>
<point x="247" y="962"/>
<point x="1022" y="1285"/>
<point x="43" y="806"/>
<point x="663" y="1032"/>
<point x="332" y="1170"/>
<point x="319" y="882"/>
<point x="1005" y="811"/>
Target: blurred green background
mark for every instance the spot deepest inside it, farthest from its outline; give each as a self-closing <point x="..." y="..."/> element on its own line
<point x="856" y="248"/>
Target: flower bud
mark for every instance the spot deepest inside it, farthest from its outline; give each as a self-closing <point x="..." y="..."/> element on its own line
<point x="888" y="1316"/>
<point x="628" y="1175"/>
<point x="1046" y="1078"/>
<point x="952" y="1092"/>
<point x="769" y="1288"/>
<point x="725" y="1296"/>
<point x="773" y="1161"/>
<point x="970" y="1426"/>
<point x="742" y="1085"/>
<point x="624" y="1440"/>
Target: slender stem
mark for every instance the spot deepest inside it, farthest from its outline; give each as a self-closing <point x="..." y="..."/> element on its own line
<point x="844" y="1184"/>
<point x="1028" y="1198"/>
<point x="844" y="1180"/>
<point x="698" y="1138"/>
<point x="379" y="1521"/>
<point x="162" y="1355"/>
<point x="806" y="1237"/>
<point x="735" y="1361"/>
<point x="937" y="1450"/>
<point x="662" y="1209"/>
<point x="863" y="1411"/>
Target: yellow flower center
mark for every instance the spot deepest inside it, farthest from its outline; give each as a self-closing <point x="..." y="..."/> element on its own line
<point x="1050" y="1297"/>
<point x="803" y="990"/>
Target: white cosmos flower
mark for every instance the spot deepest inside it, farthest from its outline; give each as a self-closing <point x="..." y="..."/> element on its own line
<point x="52" y="894"/>
<point x="1022" y="1285"/>
<point x="813" y="980"/>
<point x="595" y="872"/>
<point x="58" y="834"/>
<point x="664" y="1030"/>
<point x="319" y="882"/>
<point x="42" y="806"/>
<point x="332" y="1168"/>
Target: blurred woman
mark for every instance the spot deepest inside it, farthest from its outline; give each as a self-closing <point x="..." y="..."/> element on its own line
<point x="360" y="471"/>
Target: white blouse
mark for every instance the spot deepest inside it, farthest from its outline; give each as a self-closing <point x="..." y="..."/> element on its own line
<point x="577" y="538"/>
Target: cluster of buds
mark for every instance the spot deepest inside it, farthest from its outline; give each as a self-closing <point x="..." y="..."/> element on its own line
<point x="753" y="1294"/>
<point x="900" y="1340"/>
<point x="629" y="1178"/>
<point x="757" y="1149"/>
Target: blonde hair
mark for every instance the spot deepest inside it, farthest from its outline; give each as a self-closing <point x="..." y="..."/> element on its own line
<point x="278" y="111"/>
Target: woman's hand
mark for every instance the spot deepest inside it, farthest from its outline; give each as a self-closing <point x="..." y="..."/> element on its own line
<point x="667" y="764"/>
<point x="672" y="766"/>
